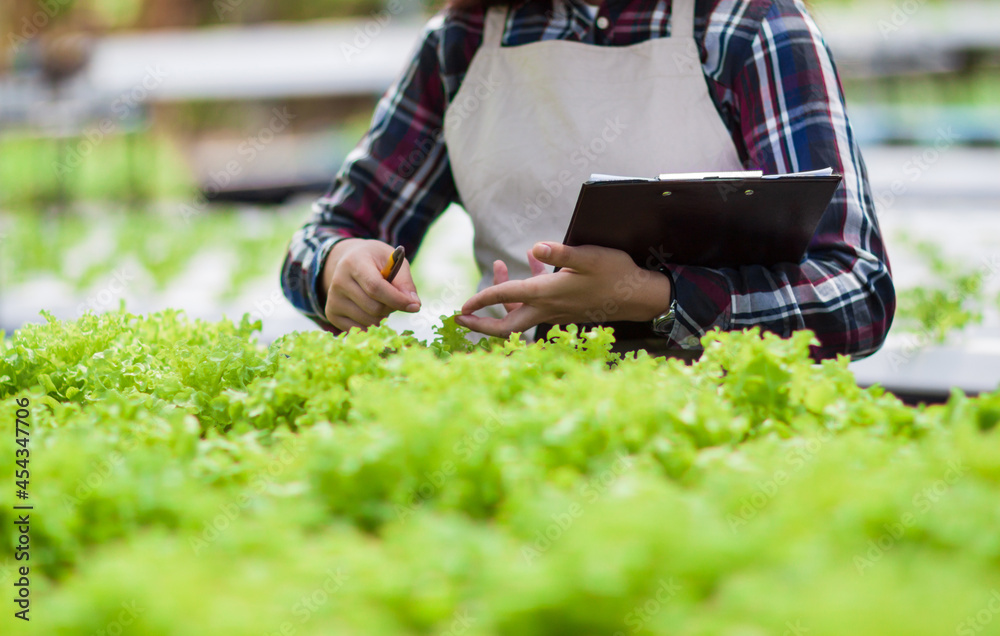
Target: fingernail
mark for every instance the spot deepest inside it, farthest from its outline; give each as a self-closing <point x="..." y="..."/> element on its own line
<point x="542" y="249"/>
<point x="413" y="308"/>
<point x="414" y="296"/>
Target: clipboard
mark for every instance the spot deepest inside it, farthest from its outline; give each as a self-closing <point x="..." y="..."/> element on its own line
<point x="724" y="221"/>
<point x="707" y="222"/>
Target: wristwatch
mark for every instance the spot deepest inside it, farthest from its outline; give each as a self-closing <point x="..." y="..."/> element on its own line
<point x="663" y="324"/>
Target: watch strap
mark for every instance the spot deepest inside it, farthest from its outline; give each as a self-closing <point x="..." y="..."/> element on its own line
<point x="663" y="324"/>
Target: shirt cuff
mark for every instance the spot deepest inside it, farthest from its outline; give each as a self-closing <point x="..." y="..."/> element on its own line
<point x="315" y="289"/>
<point x="704" y="300"/>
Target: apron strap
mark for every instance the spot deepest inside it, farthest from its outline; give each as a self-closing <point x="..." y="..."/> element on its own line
<point x="682" y="19"/>
<point x="496" y="20"/>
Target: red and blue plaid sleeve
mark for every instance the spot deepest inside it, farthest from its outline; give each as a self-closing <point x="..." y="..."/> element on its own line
<point x="394" y="183"/>
<point x="785" y="97"/>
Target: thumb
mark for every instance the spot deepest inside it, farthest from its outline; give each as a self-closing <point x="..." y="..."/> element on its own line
<point x="404" y="281"/>
<point x="559" y="255"/>
<point x="537" y="266"/>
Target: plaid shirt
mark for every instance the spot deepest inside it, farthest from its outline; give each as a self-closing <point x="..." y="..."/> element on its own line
<point x="775" y="86"/>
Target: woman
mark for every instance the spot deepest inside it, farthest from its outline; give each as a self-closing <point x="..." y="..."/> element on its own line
<point x="506" y="107"/>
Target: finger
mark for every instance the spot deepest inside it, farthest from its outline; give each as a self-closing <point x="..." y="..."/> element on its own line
<point x="374" y="286"/>
<point x="581" y="259"/>
<point x="537" y="266"/>
<point x="500" y="272"/>
<point x="519" y="320"/>
<point x="345" y="291"/>
<point x="515" y="291"/>
<point x="348" y="291"/>
<point x="502" y="275"/>
<point x="344" y="324"/>
<point x="349" y="309"/>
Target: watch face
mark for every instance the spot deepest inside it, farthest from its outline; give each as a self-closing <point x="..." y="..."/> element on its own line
<point x="664" y="324"/>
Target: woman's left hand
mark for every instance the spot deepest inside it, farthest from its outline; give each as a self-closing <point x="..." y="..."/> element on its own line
<point x="595" y="284"/>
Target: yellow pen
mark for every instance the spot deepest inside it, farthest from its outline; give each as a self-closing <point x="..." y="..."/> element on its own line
<point x="394" y="263"/>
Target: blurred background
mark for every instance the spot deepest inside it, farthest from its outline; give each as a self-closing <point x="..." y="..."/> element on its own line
<point x="161" y="154"/>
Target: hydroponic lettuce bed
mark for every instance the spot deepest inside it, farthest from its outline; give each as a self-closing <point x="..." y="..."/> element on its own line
<point x="187" y="481"/>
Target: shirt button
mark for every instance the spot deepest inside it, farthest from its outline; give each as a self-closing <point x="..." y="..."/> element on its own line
<point x="602" y="22"/>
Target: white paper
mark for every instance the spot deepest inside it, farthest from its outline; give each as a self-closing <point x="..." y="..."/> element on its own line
<point x="747" y="174"/>
<point x="611" y="177"/>
<point x="822" y="172"/>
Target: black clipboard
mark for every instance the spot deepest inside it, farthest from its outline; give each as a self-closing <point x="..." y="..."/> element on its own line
<point x="707" y="222"/>
<point x="703" y="222"/>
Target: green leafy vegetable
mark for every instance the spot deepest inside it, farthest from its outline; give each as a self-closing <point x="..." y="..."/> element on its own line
<point x="192" y="481"/>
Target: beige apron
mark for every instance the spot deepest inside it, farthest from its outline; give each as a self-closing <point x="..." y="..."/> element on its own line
<point x="531" y="123"/>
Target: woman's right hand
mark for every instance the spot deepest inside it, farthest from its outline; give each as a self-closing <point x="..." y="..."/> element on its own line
<point x="356" y="293"/>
